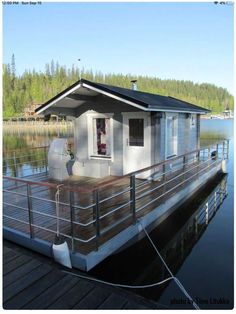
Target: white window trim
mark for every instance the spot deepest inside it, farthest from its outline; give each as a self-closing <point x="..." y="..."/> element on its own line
<point x="168" y="115"/>
<point x="95" y="115"/>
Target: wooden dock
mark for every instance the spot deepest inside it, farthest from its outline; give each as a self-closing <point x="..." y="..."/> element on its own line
<point x="32" y="281"/>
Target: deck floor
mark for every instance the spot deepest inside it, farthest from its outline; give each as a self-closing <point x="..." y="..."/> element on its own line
<point x="31" y="281"/>
<point x="43" y="204"/>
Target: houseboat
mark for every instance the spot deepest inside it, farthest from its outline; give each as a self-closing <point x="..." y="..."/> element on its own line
<point x="136" y="158"/>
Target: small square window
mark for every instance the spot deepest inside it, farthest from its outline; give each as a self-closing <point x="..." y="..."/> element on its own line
<point x="136" y="132"/>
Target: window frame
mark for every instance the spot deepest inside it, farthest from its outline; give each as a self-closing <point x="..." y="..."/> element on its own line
<point x="175" y="140"/>
<point x="90" y="117"/>
<point x="142" y="132"/>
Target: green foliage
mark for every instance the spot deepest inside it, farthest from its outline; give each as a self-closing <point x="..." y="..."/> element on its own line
<point x="38" y="87"/>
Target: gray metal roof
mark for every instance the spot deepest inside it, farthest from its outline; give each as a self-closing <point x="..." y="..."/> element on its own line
<point x="145" y="101"/>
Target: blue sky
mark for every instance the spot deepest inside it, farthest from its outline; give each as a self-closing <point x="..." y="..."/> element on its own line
<point x="187" y="41"/>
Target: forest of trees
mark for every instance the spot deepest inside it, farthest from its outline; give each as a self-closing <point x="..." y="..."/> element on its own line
<point x="37" y="87"/>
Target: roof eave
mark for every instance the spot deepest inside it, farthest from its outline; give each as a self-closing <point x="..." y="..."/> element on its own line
<point x="178" y="111"/>
<point x="117" y="96"/>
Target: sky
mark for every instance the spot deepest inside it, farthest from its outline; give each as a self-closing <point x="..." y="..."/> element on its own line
<point x="183" y="41"/>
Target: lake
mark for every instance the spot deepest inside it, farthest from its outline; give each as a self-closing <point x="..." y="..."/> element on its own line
<point x="201" y="259"/>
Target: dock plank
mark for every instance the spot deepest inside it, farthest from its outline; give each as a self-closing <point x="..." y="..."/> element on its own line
<point x="31" y="277"/>
<point x="31" y="292"/>
<point x="93" y="299"/>
<point x="9" y="256"/>
<point x="20" y="272"/>
<point x="113" y="301"/>
<point x="15" y="263"/>
<point x="73" y="296"/>
<point x="45" y="299"/>
<point x="40" y="283"/>
<point x="131" y="305"/>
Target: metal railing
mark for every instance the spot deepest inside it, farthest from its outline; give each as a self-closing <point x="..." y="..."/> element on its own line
<point x="24" y="162"/>
<point x="91" y="215"/>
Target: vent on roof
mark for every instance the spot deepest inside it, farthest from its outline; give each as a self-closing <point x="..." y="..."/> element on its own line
<point x="134" y="84"/>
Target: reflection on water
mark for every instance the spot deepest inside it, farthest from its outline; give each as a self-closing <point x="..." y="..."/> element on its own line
<point x="25" y="160"/>
<point x="174" y="238"/>
<point x="213" y="130"/>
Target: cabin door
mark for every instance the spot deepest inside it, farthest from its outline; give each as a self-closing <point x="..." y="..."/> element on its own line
<point x="136" y="142"/>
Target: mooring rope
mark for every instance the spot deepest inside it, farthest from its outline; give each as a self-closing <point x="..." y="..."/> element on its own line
<point x="179" y="284"/>
<point x="119" y="284"/>
<point x="170" y="272"/>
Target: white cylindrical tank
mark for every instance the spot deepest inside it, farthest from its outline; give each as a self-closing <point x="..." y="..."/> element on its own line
<point x="58" y="158"/>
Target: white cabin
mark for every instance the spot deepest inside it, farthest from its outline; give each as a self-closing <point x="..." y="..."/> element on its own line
<point x="119" y="131"/>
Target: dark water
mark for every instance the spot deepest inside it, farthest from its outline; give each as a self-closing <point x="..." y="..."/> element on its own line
<point x="202" y="258"/>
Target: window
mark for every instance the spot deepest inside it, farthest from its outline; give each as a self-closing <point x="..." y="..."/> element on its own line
<point x="136" y="132"/>
<point x="171" y="135"/>
<point x="193" y="119"/>
<point x="101" y="137"/>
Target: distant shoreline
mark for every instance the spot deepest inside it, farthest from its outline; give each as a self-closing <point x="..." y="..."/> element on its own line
<point x="216" y="117"/>
<point x="39" y="127"/>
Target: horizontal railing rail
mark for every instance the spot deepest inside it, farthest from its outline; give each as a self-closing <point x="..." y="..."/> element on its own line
<point x="20" y="162"/>
<point x="24" y="149"/>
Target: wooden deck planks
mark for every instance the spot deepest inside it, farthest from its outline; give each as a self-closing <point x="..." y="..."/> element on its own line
<point x="20" y="272"/>
<point x="23" y="298"/>
<point x="15" y="263"/>
<point x="25" y="281"/>
<point x="51" y="294"/>
<point x="93" y="299"/>
<point x="85" y="216"/>
<point x="39" y="283"/>
<point x="73" y="296"/>
<point x="111" y="301"/>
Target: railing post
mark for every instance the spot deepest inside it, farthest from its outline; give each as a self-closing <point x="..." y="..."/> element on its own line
<point x="209" y="155"/>
<point x="29" y="201"/>
<point x="184" y="167"/>
<point x="46" y="159"/>
<point x="164" y="177"/>
<point x="164" y="172"/>
<point x="133" y="198"/>
<point x="15" y="164"/>
<point x="198" y="163"/>
<point x="184" y="162"/>
<point x="97" y="215"/>
<point x="72" y="218"/>
<point x="198" y="156"/>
